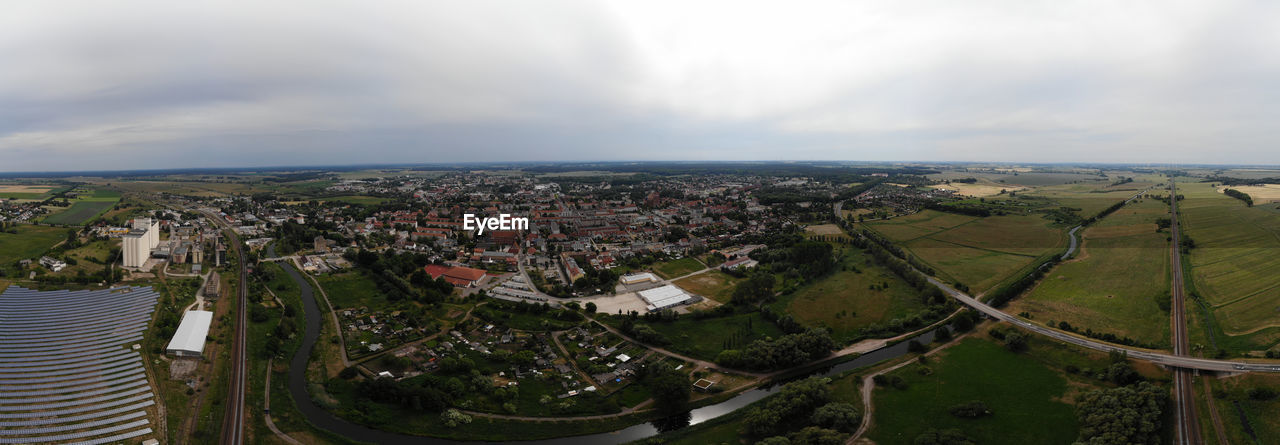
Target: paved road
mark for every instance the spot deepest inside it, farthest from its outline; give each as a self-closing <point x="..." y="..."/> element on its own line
<point x="1184" y="390"/>
<point x="233" y="420"/>
<point x="1135" y="353"/>
<point x="1072" y="249"/>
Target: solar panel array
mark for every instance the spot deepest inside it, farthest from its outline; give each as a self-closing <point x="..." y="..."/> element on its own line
<point x="67" y="371"/>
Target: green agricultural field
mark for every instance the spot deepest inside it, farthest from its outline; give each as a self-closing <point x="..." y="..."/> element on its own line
<point x="979" y="252"/>
<point x="1234" y="267"/>
<point x="676" y="268"/>
<point x="1025" y="396"/>
<point x="705" y="338"/>
<point x="80" y="212"/>
<point x="714" y="284"/>
<point x="1090" y="198"/>
<point x="28" y="243"/>
<point x="1118" y="281"/>
<point x="845" y="301"/>
<point x="352" y="290"/>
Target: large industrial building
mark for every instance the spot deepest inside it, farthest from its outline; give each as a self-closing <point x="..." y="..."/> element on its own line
<point x="664" y="297"/>
<point x="188" y="341"/>
<point x="138" y="243"/>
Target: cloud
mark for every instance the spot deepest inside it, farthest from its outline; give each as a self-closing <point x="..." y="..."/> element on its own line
<point x="142" y="84"/>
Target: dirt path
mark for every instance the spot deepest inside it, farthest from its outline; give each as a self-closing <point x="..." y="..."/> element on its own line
<point x="1213" y="413"/>
<point x="266" y="409"/>
<point x="868" y="387"/>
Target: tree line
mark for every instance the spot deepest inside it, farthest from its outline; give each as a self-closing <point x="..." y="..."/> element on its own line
<point x="1248" y="200"/>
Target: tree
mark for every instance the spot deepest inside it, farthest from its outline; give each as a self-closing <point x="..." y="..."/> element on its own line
<point x="1127" y="414"/>
<point x="794" y="404"/>
<point x="453" y="418"/>
<point x="591" y="307"/>
<point x="837" y="416"/>
<point x="970" y="409"/>
<point x="670" y="388"/>
<point x="915" y="347"/>
<point x="942" y="335"/>
<point x="1016" y="342"/>
<point x="813" y="435"/>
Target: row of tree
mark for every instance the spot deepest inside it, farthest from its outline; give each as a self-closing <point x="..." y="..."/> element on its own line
<point x="783" y="352"/>
<point x="1248" y="200"/>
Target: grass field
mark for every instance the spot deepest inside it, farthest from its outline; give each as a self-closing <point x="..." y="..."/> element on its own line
<point x="845" y="302"/>
<point x="1091" y="198"/>
<point x="715" y="285"/>
<point x="1260" y="414"/>
<point x="676" y="268"/>
<point x="707" y="337"/>
<point x="29" y="243"/>
<point x="352" y="290"/>
<point x="1025" y="395"/>
<point x="1234" y="265"/>
<point x="1115" y="282"/>
<point x="979" y="252"/>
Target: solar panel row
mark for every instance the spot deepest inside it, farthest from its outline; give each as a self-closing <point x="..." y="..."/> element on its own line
<point x="66" y="372"/>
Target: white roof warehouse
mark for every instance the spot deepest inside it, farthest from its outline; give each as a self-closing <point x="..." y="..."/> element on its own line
<point x="188" y="341"/>
<point x="660" y="298"/>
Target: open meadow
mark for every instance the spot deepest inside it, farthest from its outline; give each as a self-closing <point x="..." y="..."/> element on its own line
<point x="853" y="297"/>
<point x="1118" y="283"/>
<point x="678" y="268"/>
<point x="714" y="284"/>
<point x="29" y="242"/>
<point x="1028" y="394"/>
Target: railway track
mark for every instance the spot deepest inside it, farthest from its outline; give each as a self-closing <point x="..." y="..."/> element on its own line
<point x="1183" y="378"/>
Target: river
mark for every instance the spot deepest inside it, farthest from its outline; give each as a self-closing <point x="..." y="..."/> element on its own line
<point x="321" y="418"/>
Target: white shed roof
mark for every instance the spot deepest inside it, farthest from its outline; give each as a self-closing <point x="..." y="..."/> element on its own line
<point x="636" y="278"/>
<point x="191" y="332"/>
<point x="665" y="296"/>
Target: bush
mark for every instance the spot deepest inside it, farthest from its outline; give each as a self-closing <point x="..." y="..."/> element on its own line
<point x="970" y="410"/>
<point x="1262" y="393"/>
<point x="349" y="373"/>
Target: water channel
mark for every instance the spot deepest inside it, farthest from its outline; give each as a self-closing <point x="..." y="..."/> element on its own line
<point x="325" y="420"/>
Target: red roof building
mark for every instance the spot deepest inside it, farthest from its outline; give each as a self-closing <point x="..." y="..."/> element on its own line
<point x="455" y="275"/>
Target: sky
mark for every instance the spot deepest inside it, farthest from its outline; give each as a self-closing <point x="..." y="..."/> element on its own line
<point x="92" y="85"/>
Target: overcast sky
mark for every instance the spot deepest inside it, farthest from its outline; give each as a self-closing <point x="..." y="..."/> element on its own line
<point x="128" y="85"/>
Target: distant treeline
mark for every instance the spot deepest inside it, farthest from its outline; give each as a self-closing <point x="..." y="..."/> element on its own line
<point x="1227" y="180"/>
<point x="959" y="208"/>
<point x="825" y="171"/>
